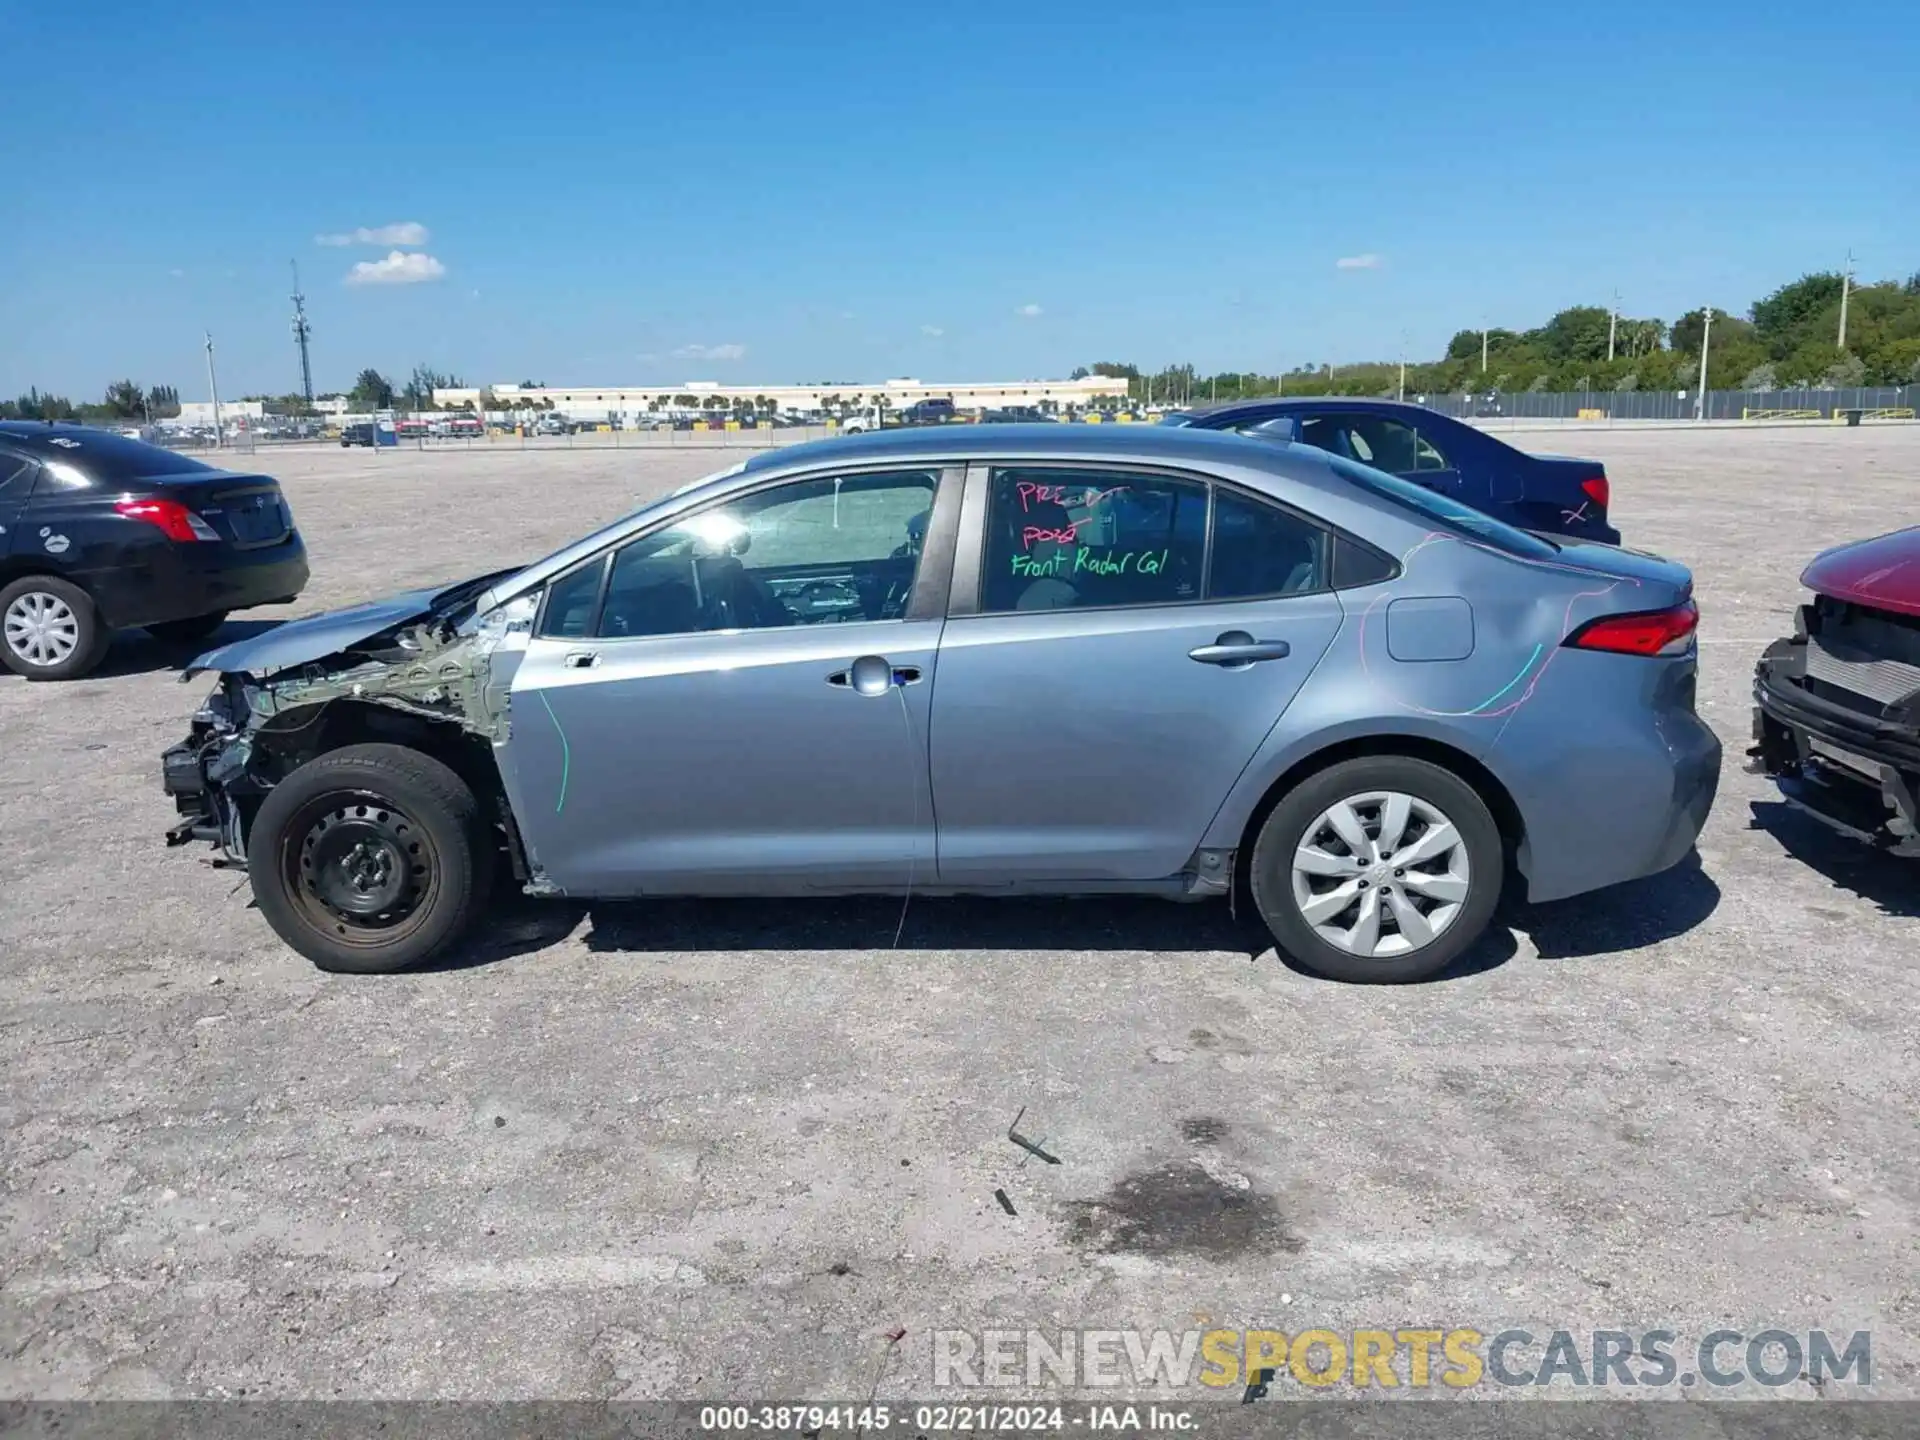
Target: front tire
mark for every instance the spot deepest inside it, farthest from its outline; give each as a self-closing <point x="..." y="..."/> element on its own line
<point x="1378" y="870"/>
<point x="370" y="858"/>
<point x="49" y="629"/>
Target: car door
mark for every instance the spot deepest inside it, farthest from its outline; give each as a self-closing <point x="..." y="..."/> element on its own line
<point x="737" y="701"/>
<point x="1120" y="642"/>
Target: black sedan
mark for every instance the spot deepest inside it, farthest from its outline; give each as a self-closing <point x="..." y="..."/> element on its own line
<point x="1552" y="493"/>
<point x="100" y="532"/>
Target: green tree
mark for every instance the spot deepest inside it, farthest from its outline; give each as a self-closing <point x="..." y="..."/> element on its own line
<point x="371" y="391"/>
<point x="1577" y="334"/>
<point x="1685" y="335"/>
<point x="125" y="400"/>
<point x="1786" y="318"/>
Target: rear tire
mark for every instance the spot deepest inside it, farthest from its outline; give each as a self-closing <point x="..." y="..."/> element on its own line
<point x="49" y="629"/>
<point x="1354" y="909"/>
<point x="189" y="631"/>
<point x="370" y="858"/>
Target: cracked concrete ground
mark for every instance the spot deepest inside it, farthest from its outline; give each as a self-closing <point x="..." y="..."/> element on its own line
<point x="713" y="1150"/>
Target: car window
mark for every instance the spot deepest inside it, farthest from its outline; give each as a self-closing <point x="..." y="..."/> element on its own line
<point x="16" y="476"/>
<point x="571" y="600"/>
<point x="812" y="552"/>
<point x="1385" y="444"/>
<point x="1260" y="549"/>
<point x="1449" y="514"/>
<point x="1059" y="539"/>
<point x="57" y="477"/>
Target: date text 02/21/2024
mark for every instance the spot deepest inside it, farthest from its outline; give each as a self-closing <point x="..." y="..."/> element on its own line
<point x="943" y="1419"/>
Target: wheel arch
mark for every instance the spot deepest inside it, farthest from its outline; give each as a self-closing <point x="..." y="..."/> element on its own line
<point x="20" y="567"/>
<point x="1488" y="786"/>
<point x="304" y="732"/>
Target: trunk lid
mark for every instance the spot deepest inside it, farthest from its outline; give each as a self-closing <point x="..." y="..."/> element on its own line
<point x="1659" y="580"/>
<point x="1882" y="573"/>
<point x="248" y="511"/>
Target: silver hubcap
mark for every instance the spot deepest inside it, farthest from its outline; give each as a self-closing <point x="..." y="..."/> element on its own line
<point x="42" y="629"/>
<point x="1381" y="874"/>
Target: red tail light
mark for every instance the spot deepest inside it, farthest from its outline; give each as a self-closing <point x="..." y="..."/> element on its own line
<point x="1651" y="632"/>
<point x="175" y="520"/>
<point x="1596" y="489"/>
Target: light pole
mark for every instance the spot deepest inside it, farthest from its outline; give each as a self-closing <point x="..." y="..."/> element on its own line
<point x="1846" y="286"/>
<point x="1613" y="325"/>
<point x="1403" y="366"/>
<point x="213" y="389"/>
<point x="1706" y="330"/>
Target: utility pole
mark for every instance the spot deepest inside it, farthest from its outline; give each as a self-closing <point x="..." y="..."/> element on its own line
<point x="1613" y="325"/>
<point x="1403" y="365"/>
<point x="1483" y="345"/>
<point x="213" y="389"/>
<point x="1846" y="286"/>
<point x="1706" y="330"/>
<point x="301" y="332"/>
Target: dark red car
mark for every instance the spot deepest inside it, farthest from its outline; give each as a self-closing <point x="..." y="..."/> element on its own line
<point x="1836" y="719"/>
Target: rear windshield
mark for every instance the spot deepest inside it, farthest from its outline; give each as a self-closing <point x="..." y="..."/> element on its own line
<point x="109" y="459"/>
<point x="1449" y="514"/>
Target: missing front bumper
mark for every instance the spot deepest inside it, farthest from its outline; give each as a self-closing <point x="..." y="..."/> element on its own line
<point x="1832" y="775"/>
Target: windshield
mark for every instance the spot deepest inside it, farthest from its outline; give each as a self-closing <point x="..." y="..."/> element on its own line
<point x="1450" y="514"/>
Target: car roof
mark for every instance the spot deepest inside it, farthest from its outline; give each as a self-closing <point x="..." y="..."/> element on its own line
<point x="1288" y="404"/>
<point x="1064" y="442"/>
<point x="107" y="455"/>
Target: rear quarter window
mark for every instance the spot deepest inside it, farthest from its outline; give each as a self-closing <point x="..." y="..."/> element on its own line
<point x="1448" y="514"/>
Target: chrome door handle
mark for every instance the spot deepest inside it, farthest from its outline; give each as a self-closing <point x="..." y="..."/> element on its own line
<point x="581" y="659"/>
<point x="874" y="675"/>
<point x="1237" y="648"/>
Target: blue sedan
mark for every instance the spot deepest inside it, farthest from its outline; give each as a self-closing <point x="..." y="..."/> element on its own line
<point x="1552" y="493"/>
<point x="987" y="659"/>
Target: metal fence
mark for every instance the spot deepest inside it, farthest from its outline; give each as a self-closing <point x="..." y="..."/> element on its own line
<point x="756" y="437"/>
<point x="1672" y="404"/>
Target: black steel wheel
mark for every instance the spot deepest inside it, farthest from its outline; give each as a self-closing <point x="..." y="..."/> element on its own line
<point x="369" y="858"/>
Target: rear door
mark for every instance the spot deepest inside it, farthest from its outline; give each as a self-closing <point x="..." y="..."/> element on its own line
<point x="1120" y="642"/>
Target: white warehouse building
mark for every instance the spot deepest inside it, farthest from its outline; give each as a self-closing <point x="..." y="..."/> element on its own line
<point x="597" y="403"/>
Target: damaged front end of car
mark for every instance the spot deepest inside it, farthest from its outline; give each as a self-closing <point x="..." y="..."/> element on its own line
<point x="426" y="672"/>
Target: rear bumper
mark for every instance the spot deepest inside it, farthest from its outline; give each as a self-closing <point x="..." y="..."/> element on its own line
<point x="1851" y="772"/>
<point x="1607" y="792"/>
<point x="180" y="582"/>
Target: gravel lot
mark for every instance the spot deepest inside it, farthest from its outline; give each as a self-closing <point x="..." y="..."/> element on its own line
<point x="713" y="1150"/>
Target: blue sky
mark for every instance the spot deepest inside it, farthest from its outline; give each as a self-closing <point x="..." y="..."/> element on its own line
<point x="762" y="193"/>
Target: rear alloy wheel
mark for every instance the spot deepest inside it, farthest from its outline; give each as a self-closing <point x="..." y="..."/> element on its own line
<point x="1383" y="868"/>
<point x="49" y="629"/>
<point x="189" y="631"/>
<point x="369" y="858"/>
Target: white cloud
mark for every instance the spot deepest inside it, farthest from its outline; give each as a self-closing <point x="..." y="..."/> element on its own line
<point x="934" y="330"/>
<point x="404" y="232"/>
<point x="401" y="267"/>
<point x="1029" y="310"/>
<point x="710" y="352"/>
<point x="1357" y="262"/>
